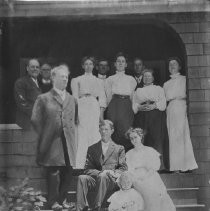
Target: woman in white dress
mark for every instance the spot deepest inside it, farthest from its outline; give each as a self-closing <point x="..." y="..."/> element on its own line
<point x="180" y="146"/>
<point x="91" y="104"/>
<point x="120" y="89"/>
<point x="149" y="104"/>
<point x="143" y="163"/>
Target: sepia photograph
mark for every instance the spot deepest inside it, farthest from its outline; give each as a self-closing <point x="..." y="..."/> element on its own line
<point x="104" y="105"/>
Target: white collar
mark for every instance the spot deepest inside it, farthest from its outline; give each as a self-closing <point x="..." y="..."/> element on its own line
<point x="101" y="76"/>
<point x="34" y="79"/>
<point x="148" y="85"/>
<point x="46" y="81"/>
<point x="60" y="92"/>
<point x="105" y="144"/>
<point x="120" y="72"/>
<point x="88" y="74"/>
<point x="175" y="75"/>
<point x="140" y="77"/>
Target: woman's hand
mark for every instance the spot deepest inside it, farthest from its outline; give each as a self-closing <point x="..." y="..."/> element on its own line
<point x="142" y="107"/>
<point x="151" y="107"/>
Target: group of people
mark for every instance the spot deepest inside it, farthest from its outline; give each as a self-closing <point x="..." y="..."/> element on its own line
<point x="69" y="135"/>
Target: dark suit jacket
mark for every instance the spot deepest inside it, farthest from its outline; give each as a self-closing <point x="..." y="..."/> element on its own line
<point x="44" y="87"/>
<point x="139" y="85"/>
<point x="113" y="160"/>
<point x="26" y="92"/>
<point x="50" y="118"/>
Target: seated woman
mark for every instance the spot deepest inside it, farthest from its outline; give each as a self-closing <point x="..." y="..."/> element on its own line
<point x="149" y="104"/>
<point x="127" y="198"/>
<point x="143" y="163"/>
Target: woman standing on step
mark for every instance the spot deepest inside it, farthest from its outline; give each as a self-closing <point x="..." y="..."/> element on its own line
<point x="119" y="89"/>
<point x="91" y="104"/>
<point x="180" y="146"/>
<point x="149" y="104"/>
<point x="143" y="163"/>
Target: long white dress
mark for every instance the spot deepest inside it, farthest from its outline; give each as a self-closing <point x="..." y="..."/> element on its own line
<point x="143" y="164"/>
<point x="180" y="146"/>
<point x="91" y="96"/>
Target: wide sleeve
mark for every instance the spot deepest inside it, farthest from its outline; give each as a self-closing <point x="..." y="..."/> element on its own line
<point x="75" y="87"/>
<point x="90" y="166"/>
<point x="129" y="161"/>
<point x="161" y="100"/>
<point x="102" y="94"/>
<point x="37" y="117"/>
<point x="135" y="103"/>
<point x="20" y="97"/>
<point x="108" y="89"/>
<point x="153" y="159"/>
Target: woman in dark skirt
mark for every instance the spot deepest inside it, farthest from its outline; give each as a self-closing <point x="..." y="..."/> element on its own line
<point x="119" y="90"/>
<point x="149" y="104"/>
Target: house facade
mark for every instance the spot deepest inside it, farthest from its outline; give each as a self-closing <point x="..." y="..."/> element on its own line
<point x="154" y="30"/>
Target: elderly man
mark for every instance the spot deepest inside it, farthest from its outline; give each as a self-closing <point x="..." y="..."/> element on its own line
<point x="105" y="162"/>
<point x="26" y="90"/>
<point x="44" y="79"/>
<point x="54" y="117"/>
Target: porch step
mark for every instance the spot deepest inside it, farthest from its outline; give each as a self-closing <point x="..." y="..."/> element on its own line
<point x="182" y="196"/>
<point x="190" y="207"/>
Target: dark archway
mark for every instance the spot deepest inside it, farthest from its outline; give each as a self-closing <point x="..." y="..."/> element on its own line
<point x="68" y="40"/>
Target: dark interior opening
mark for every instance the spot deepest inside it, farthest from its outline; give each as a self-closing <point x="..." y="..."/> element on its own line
<point x="66" y="40"/>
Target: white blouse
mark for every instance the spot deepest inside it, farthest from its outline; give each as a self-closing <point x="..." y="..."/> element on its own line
<point x="120" y="84"/>
<point x="88" y="84"/>
<point x="149" y="93"/>
<point x="145" y="157"/>
<point x="175" y="88"/>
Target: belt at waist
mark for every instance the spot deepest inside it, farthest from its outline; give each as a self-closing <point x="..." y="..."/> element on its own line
<point x="86" y="95"/>
<point x="121" y="96"/>
<point x="181" y="99"/>
<point x="148" y="102"/>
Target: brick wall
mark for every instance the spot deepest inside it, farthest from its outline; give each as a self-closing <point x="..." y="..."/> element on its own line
<point x="17" y="158"/>
<point x="194" y="29"/>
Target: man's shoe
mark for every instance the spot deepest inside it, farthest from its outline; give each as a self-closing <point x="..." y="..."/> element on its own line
<point x="56" y="207"/>
<point x="68" y="205"/>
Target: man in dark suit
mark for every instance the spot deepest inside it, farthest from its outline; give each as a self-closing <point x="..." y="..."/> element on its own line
<point x="44" y="78"/>
<point x="138" y="67"/>
<point x="54" y="118"/>
<point x="105" y="162"/>
<point x="26" y="90"/>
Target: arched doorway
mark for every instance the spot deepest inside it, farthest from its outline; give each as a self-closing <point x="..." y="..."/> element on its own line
<point x="68" y="40"/>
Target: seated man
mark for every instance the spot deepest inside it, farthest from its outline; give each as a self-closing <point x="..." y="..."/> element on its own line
<point x="105" y="162"/>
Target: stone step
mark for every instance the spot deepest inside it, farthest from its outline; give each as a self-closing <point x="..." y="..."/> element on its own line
<point x="190" y="207"/>
<point x="178" y="180"/>
<point x="183" y="193"/>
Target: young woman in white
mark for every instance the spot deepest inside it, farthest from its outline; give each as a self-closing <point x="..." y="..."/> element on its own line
<point x="180" y="146"/>
<point x="91" y="104"/>
<point x="143" y="163"/>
